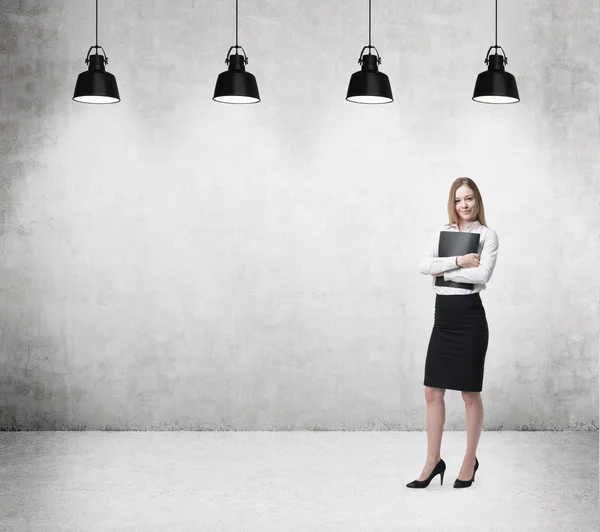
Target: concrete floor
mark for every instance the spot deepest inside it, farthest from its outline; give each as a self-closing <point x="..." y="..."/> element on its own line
<point x="293" y="481"/>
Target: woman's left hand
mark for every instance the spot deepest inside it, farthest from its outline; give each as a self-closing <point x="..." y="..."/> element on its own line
<point x="439" y="275"/>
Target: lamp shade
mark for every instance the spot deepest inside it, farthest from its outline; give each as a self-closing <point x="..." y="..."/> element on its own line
<point x="368" y="85"/>
<point x="495" y="85"/>
<point x="95" y="85"/>
<point x="235" y="85"/>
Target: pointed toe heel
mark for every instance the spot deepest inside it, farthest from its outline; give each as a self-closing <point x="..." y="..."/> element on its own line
<point x="466" y="483"/>
<point x="439" y="469"/>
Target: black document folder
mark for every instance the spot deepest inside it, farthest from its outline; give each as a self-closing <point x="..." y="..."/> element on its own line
<point x="453" y="243"/>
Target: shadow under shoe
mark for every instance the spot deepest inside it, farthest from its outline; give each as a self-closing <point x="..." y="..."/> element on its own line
<point x="466" y="483"/>
<point x="439" y="469"/>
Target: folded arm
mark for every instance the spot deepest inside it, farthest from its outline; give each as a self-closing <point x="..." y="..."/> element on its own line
<point x="487" y="262"/>
<point x="435" y="265"/>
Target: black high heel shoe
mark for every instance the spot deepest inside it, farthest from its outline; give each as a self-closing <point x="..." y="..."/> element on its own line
<point x="439" y="469"/>
<point x="466" y="483"/>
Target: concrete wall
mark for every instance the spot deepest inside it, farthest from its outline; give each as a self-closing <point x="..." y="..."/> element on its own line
<point x="170" y="262"/>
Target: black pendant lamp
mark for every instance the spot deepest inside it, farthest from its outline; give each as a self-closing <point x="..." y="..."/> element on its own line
<point x="236" y="85"/>
<point x="95" y="85"/>
<point x="495" y="85"/>
<point x="368" y="85"/>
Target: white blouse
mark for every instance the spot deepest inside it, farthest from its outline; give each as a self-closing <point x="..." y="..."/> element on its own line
<point x="431" y="264"/>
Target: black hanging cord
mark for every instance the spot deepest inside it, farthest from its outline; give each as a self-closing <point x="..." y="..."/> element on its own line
<point x="96" y="46"/>
<point x="236" y="47"/>
<point x="496" y="23"/>
<point x="495" y="46"/>
<point x="360" y="57"/>
<point x="369" y="26"/>
<point x="96" y="23"/>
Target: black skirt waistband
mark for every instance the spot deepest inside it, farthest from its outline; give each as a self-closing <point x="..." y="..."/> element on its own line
<point x="443" y="296"/>
<point x="459" y="303"/>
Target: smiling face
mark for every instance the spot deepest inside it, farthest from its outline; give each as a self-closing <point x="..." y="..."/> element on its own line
<point x="464" y="202"/>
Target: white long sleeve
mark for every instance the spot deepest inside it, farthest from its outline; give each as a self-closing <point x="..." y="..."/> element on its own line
<point x="430" y="263"/>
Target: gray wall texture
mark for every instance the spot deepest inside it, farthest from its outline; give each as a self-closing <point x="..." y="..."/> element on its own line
<point x="174" y="263"/>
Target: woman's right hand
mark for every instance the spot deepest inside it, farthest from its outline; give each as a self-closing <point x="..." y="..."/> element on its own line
<point x="468" y="261"/>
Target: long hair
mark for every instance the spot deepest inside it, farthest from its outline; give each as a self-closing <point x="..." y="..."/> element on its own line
<point x="479" y="210"/>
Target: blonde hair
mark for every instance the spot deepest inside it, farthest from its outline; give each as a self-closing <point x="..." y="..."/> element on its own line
<point x="479" y="210"/>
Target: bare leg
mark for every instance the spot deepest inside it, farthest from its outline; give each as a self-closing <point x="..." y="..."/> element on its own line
<point x="474" y="407"/>
<point x="436" y="417"/>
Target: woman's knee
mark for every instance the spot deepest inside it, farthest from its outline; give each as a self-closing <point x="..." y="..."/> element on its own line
<point x="471" y="397"/>
<point x="434" y="394"/>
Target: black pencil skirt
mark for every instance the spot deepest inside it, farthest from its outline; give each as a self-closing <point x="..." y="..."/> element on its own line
<point x="458" y="344"/>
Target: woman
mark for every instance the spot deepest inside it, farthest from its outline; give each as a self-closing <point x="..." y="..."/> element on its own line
<point x="458" y="343"/>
